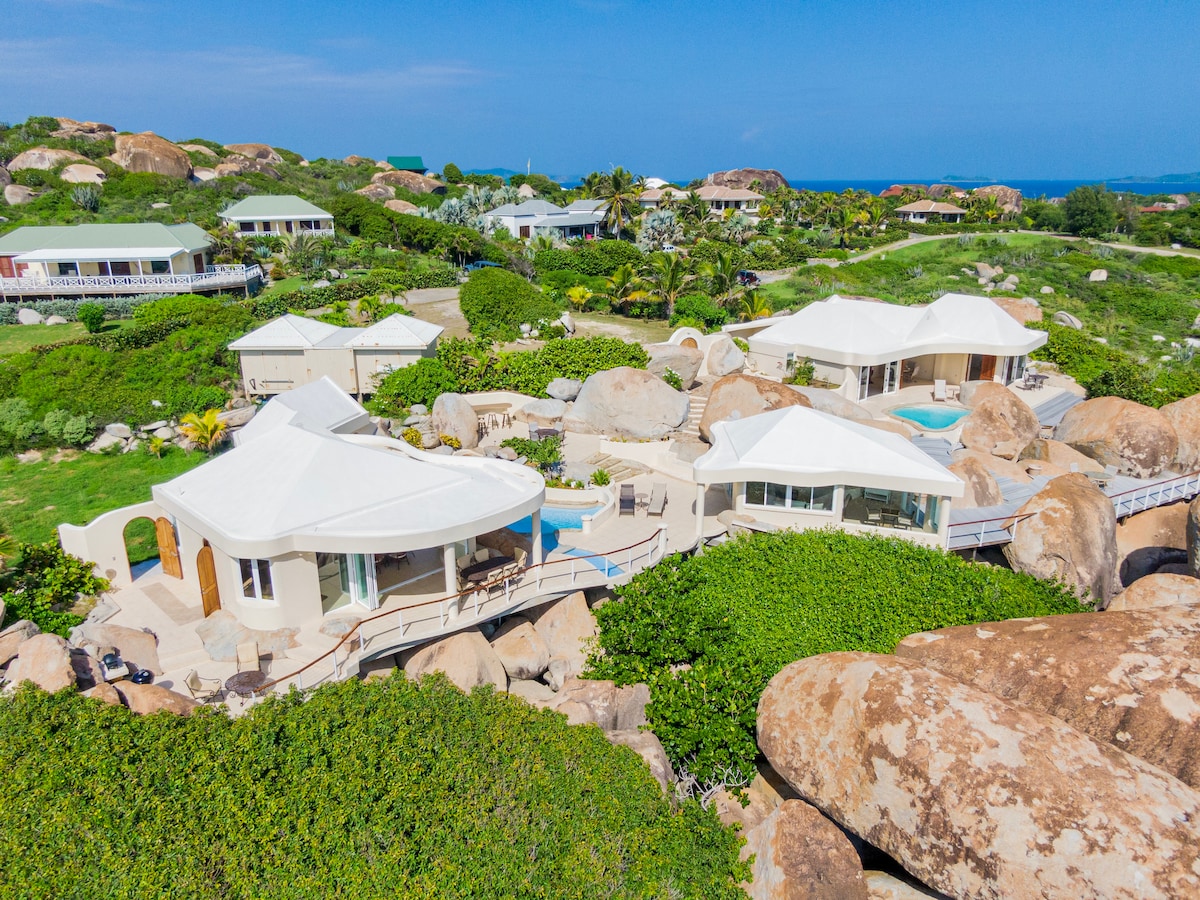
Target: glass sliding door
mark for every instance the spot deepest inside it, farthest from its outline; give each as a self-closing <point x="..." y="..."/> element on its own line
<point x="347" y="579"/>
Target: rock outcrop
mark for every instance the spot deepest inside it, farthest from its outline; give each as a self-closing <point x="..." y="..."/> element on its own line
<point x="147" y="152"/>
<point x="466" y="658"/>
<point x="565" y="389"/>
<point x="974" y="796"/>
<point x="768" y="179"/>
<point x="12" y="637"/>
<point x="827" y="401"/>
<point x="742" y="396"/>
<point x="1184" y="416"/>
<point x="628" y="403"/>
<point x="1067" y="530"/>
<point x="647" y="745"/>
<point x="145" y="699"/>
<point x="410" y="181"/>
<point x="454" y="416"/>
<point x="256" y="151"/>
<point x="1008" y="198"/>
<point x="1150" y="539"/>
<point x="82" y="173"/>
<point x="1130" y="679"/>
<point x="44" y="158"/>
<point x="133" y="644"/>
<point x="1059" y="456"/>
<point x="982" y="489"/>
<point x="44" y="659"/>
<point x="240" y="165"/>
<point x="1138" y="440"/>
<point x="542" y="413"/>
<point x="683" y="361"/>
<point x="724" y="357"/>
<point x="1159" y="589"/>
<point x="18" y="194"/>
<point x="567" y="626"/>
<point x="199" y="148"/>
<point x="522" y="651"/>
<point x="400" y="206"/>
<point x="1000" y="424"/>
<point x="602" y="703"/>
<point x="377" y="192"/>
<point x="798" y="853"/>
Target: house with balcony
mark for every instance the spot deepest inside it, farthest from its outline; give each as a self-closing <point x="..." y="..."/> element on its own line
<point x="283" y="215"/>
<point x="102" y="260"/>
<point x="293" y="351"/>
<point x="721" y="198"/>
<point x="921" y="211"/>
<point x="861" y="347"/>
<point x="582" y="219"/>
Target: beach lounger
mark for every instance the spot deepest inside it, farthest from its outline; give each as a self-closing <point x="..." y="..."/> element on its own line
<point x="939" y="389"/>
<point x="658" y="499"/>
<point x="627" y="500"/>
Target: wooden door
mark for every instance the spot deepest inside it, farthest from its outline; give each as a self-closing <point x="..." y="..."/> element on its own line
<point x="6" y="267"/>
<point x="209" y="592"/>
<point x="987" y="368"/>
<point x="168" y="549"/>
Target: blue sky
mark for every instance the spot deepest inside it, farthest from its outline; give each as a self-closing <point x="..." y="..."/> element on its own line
<point x="675" y="89"/>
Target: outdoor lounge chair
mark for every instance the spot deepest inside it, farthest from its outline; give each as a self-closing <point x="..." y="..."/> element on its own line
<point x="939" y="389"/>
<point x="247" y="657"/>
<point x="203" y="689"/>
<point x="463" y="561"/>
<point x="658" y="499"/>
<point x="627" y="500"/>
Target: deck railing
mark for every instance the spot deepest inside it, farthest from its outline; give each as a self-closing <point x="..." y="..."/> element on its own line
<point x="1140" y="499"/>
<point x="315" y="232"/>
<point x="213" y="276"/>
<point x="410" y="625"/>
<point x="975" y="534"/>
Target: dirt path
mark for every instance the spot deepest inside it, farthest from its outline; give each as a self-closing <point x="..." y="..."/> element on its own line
<point x="914" y="239"/>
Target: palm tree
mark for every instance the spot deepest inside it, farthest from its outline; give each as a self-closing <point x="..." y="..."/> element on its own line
<point x="8" y="549"/>
<point x="692" y="208"/>
<point x="877" y="213"/>
<point x="624" y="287"/>
<point x="754" y="306"/>
<point x="591" y="185"/>
<point x="621" y="192"/>
<point x="736" y="227"/>
<point x="301" y="253"/>
<point x="721" y="279"/>
<point x="845" y="220"/>
<point x="370" y="308"/>
<point x="204" y="431"/>
<point x="578" y="295"/>
<point x="666" y="277"/>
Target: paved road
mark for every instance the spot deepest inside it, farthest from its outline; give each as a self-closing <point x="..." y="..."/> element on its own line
<point x="430" y="295"/>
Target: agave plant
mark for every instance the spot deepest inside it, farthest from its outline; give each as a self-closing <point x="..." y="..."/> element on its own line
<point x="86" y="197"/>
<point x="661" y="226"/>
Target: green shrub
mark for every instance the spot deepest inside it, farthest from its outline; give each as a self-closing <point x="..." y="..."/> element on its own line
<point x="421" y="382"/>
<point x="600" y="478"/>
<point x="495" y="302"/>
<point x="366" y="789"/>
<point x="699" y="307"/>
<point x="92" y="316"/>
<point x="671" y="377"/>
<point x="589" y="258"/>
<point x="541" y="454"/>
<point x="745" y="609"/>
<point x="413" y="437"/>
<point x="43" y="583"/>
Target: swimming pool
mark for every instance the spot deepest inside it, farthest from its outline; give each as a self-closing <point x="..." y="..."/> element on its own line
<point x="930" y="418"/>
<point x="557" y="518"/>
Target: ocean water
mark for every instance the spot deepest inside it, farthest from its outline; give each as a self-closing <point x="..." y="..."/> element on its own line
<point x="1027" y="188"/>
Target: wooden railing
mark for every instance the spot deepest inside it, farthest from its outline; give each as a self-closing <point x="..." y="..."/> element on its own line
<point x="433" y="618"/>
<point x="213" y="276"/>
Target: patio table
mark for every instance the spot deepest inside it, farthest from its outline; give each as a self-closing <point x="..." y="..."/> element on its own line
<point x="479" y="572"/>
<point x="245" y="684"/>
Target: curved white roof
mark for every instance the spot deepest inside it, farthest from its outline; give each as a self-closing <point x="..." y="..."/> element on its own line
<point x="320" y="404"/>
<point x="867" y="333"/>
<point x="297" y="488"/>
<point x="802" y="446"/>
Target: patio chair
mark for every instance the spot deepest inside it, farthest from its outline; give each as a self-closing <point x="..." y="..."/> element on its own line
<point x="939" y="389"/>
<point x="627" y="500"/>
<point x="658" y="499"/>
<point x="483" y="554"/>
<point x="248" y="659"/>
<point x="463" y="561"/>
<point x="203" y="689"/>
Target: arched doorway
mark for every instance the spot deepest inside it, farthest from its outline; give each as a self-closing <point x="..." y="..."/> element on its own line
<point x="689" y="342"/>
<point x="144" y="535"/>
<point x="210" y="594"/>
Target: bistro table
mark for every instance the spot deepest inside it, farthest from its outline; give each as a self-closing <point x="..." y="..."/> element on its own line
<point x="245" y="684"/>
<point x="479" y="572"/>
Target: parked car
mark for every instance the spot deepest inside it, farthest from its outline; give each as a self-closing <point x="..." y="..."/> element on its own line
<point x="746" y="278"/>
<point x="480" y="264"/>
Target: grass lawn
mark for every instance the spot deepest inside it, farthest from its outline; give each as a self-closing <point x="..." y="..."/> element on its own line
<point x="19" y="338"/>
<point x="645" y="331"/>
<point x="282" y="286"/>
<point x="36" y="497"/>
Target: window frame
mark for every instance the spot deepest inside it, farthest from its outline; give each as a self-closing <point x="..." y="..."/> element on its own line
<point x="259" y="572"/>
<point x="791" y="494"/>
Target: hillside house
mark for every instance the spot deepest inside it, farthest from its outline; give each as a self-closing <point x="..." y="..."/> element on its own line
<point x="582" y="219"/>
<point x="283" y="215"/>
<point x="922" y="211"/>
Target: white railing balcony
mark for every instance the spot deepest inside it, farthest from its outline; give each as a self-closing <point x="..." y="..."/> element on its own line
<point x="315" y="232"/>
<point x="212" y="277"/>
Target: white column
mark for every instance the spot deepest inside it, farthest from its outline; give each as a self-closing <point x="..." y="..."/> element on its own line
<point x="537" y="538"/>
<point x="451" y="574"/>
<point x="700" y="491"/>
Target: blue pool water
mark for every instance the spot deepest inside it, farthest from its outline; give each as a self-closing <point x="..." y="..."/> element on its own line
<point x="930" y="418"/>
<point x="564" y="518"/>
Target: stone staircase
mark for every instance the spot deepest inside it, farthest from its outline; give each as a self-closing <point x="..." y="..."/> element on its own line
<point x="696" y="407"/>
<point x="617" y="469"/>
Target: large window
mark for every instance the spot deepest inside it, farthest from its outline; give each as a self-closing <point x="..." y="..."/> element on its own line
<point x="891" y="509"/>
<point x="789" y="496"/>
<point x="256" y="579"/>
<point x="160" y="267"/>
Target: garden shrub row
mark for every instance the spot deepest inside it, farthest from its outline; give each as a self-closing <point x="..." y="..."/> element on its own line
<point x="496" y="303"/>
<point x="114" y="307"/>
<point x="589" y="258"/>
<point x="361" y="789"/>
<point x="708" y="632"/>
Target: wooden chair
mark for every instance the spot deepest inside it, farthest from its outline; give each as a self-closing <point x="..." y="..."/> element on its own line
<point x="248" y="659"/>
<point x="658" y="499"/>
<point x="627" y="500"/>
<point x="203" y="689"/>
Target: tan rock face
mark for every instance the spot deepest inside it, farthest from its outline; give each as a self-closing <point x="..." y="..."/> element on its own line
<point x="1070" y="534"/>
<point x="454" y="416"/>
<point x="145" y="699"/>
<point x="1021" y="310"/>
<point x="105" y="693"/>
<point x="971" y="393"/>
<point x="521" y="649"/>
<point x="982" y="489"/>
<point x="627" y="402"/>
<point x="135" y="646"/>
<point x="647" y="745"/>
<point x="256" y="151"/>
<point x="81" y="173"/>
<point x="353" y="160"/>
<point x="1149" y="539"/>
<point x="71" y="128"/>
<point x="567" y="626"/>
<point x="826" y="401"/>
<point x="411" y="181"/>
<point x="1130" y="679"/>
<point x="1008" y="198"/>
<point x="44" y="158"/>
<point x="5" y="177"/>
<point x="466" y="658"/>
<point x="400" y="206"/>
<point x="1184" y="416"/>
<point x="240" y="165"/>
<point x="199" y="148"/>
<point x="584" y="701"/>
<point x="768" y="179"/>
<point x="742" y="396"/>
<point x="1000" y="424"/>
<point x="974" y="796"/>
<point x="13" y="637"/>
<point x="147" y="152"/>
<point x="798" y="853"/>
<point x="1159" y="589"/>
<point x="377" y="192"/>
<point x="683" y="361"/>
<point x="1138" y="440"/>
<point x="44" y="659"/>
<point x="1061" y="456"/>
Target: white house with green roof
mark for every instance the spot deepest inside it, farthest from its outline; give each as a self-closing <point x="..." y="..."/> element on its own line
<point x="282" y="215"/>
<point x="110" y="259"/>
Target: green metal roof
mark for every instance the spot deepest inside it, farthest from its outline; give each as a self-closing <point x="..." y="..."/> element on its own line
<point x="413" y="163"/>
<point x="274" y="206"/>
<point x="105" y="237"/>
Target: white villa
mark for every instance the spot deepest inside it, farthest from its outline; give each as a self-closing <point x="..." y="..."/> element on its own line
<point x="800" y="468"/>
<point x="924" y="210"/>
<point x="861" y="348"/>
<point x="299" y="522"/>
<point x="654" y="197"/>
<point x="720" y="198"/>
<point x="292" y="351"/>
<point x="582" y="219"/>
<point x="105" y="260"/>
<point x="283" y="215"/>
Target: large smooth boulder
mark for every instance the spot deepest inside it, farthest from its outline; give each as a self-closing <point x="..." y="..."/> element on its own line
<point x="81" y="173"/>
<point x="1024" y="309"/>
<point x="400" y="206"/>
<point x="798" y="853"/>
<point x="972" y="795"/>
<point x="454" y="415"/>
<point x="1067" y="531"/>
<point x="522" y="651"/>
<point x="199" y="148"/>
<point x="647" y="745"/>
<point x="1130" y="679"/>
<point x="147" y="152"/>
<point x="87" y="130"/>
<point x="1000" y="424"/>
<point x="724" y="357"/>
<point x="567" y="626"/>
<point x="29" y="317"/>
<point x="466" y="658"/>
<point x="742" y="396"/>
<point x="602" y="703"/>
<point x="44" y="659"/>
<point x="1184" y="416"/>
<point x="1158" y="589"/>
<point x="44" y="158"/>
<point x="972" y="393"/>
<point x="410" y="181"/>
<point x="104" y="692"/>
<point x="1059" y="456"/>
<point x="18" y="194"/>
<point x="241" y="165"/>
<point x="886" y="886"/>
<point x="627" y="403"/>
<point x="827" y="401"/>
<point x="764" y="180"/>
<point x="982" y="489"/>
<point x="5" y="177"/>
<point x="683" y="361"/>
<point x="134" y="645"/>
<point x="1138" y="440"/>
<point x="564" y="389"/>
<point x="145" y="699"/>
<point x="256" y="151"/>
<point x="377" y="192"/>
<point x="1150" y="539"/>
<point x="542" y="413"/>
<point x="12" y="637"/>
<point x="1008" y="198"/>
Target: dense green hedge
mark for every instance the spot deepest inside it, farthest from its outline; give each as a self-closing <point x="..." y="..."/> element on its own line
<point x="467" y="367"/>
<point x="742" y="611"/>
<point x="363" y="218"/>
<point x="496" y="302"/>
<point x="364" y="790"/>
<point x="42" y="583"/>
<point x="589" y="258"/>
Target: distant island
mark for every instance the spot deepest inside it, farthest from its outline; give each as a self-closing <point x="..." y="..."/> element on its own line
<point x="953" y="178"/>
<point x="1190" y="178"/>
